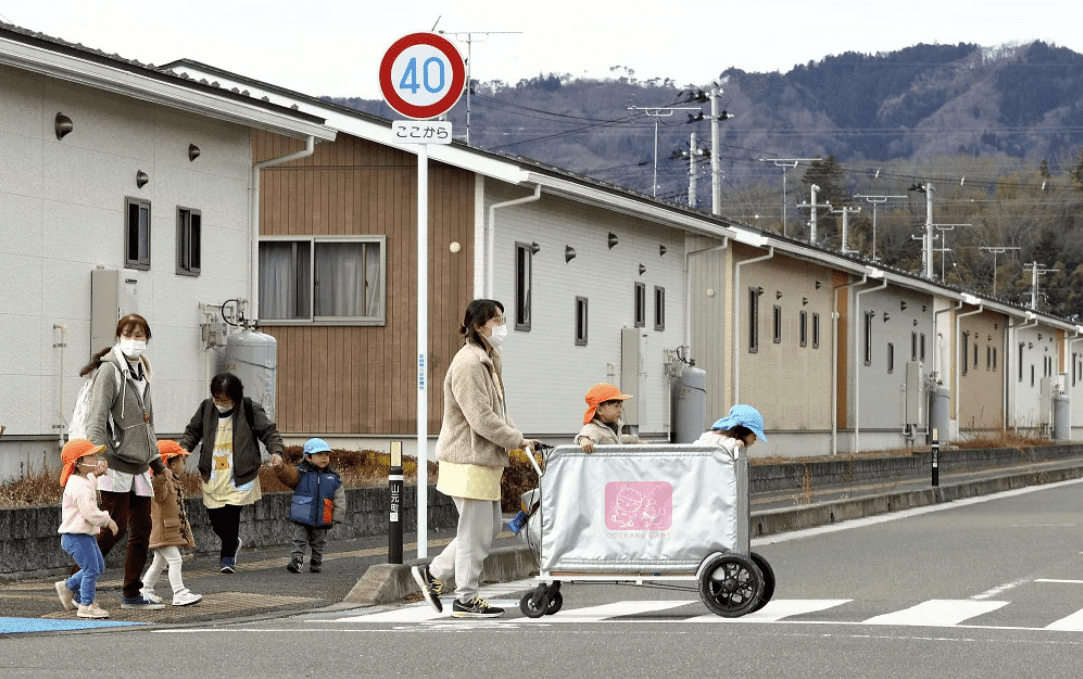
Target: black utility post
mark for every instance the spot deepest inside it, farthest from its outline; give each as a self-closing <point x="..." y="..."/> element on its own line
<point x="394" y="484"/>
<point x="936" y="459"/>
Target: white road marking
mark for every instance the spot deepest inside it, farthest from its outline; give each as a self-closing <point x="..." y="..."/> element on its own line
<point x="1066" y="582"/>
<point x="1073" y="623"/>
<point x="613" y="610"/>
<point x="937" y="613"/>
<point x="990" y="593"/>
<point x="777" y="609"/>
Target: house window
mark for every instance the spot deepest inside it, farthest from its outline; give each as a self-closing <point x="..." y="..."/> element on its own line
<point x="137" y="234"/>
<point x="1022" y="345"/>
<point x="524" y="270"/>
<point x="581" y="321"/>
<point x="890" y="358"/>
<point x="641" y="305"/>
<point x="777" y="325"/>
<point x="988" y="358"/>
<point x="994" y="358"/>
<point x="753" y="320"/>
<point x="922" y="347"/>
<point x="189" y="240"/>
<point x="913" y="346"/>
<point x="329" y="280"/>
<point x="975" y="352"/>
<point x="1032" y="374"/>
<point x="659" y="308"/>
<point x="804" y="328"/>
<point x="815" y="331"/>
<point x="965" y="352"/>
<point x="868" y="337"/>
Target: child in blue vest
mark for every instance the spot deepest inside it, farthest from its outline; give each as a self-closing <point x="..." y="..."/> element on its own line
<point x="319" y="502"/>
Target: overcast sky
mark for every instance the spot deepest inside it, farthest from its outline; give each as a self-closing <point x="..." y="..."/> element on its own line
<point x="334" y="47"/>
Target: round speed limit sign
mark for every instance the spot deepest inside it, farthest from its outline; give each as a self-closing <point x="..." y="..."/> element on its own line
<point x="422" y="75"/>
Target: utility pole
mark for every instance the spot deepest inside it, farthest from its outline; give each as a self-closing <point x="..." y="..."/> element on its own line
<point x="716" y="172"/>
<point x="657" y="112"/>
<point x="693" y="152"/>
<point x="813" y="205"/>
<point x="927" y="241"/>
<point x="996" y="251"/>
<point x="785" y="164"/>
<point x="845" y="246"/>
<point x="1034" y="272"/>
<point x="468" y="37"/>
<point x="876" y="202"/>
<point x="943" y="229"/>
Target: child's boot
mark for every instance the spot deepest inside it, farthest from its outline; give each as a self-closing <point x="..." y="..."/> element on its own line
<point x="294" y="566"/>
<point x="316" y="565"/>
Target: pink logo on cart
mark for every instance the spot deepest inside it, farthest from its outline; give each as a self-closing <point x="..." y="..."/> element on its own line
<point x="638" y="505"/>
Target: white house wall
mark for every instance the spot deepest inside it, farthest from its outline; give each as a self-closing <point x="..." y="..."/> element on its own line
<point x="546" y="374"/>
<point x="1039" y="345"/>
<point x="62" y="214"/>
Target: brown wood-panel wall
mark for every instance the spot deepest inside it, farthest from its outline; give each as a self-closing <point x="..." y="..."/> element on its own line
<point x="362" y="379"/>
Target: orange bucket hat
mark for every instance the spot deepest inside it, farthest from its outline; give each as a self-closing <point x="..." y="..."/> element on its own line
<point x="599" y="394"/>
<point x="73" y="451"/>
<point x="168" y="449"/>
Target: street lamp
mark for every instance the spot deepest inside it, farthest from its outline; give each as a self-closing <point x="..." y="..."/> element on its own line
<point x="996" y="251"/>
<point x="785" y="164"/>
<point x="657" y="112"/>
<point x="876" y="201"/>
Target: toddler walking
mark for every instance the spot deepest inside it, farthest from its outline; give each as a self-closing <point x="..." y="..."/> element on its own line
<point x="319" y="502"/>
<point x="170" y="529"/>
<point x="81" y="520"/>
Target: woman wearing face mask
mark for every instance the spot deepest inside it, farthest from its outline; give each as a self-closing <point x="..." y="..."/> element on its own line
<point x="121" y="418"/>
<point x="229" y="426"/>
<point x="472" y="450"/>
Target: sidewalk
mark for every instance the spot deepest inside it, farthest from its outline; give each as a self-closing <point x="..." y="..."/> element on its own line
<point x="263" y="587"/>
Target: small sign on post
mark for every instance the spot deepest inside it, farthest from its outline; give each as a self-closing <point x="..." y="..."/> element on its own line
<point x="936" y="459"/>
<point x="394" y="484"/>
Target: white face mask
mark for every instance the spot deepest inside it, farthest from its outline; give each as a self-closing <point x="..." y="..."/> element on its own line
<point x="500" y="333"/>
<point x="132" y="348"/>
<point x="223" y="409"/>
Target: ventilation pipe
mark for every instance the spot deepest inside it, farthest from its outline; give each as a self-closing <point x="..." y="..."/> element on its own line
<point x="310" y="147"/>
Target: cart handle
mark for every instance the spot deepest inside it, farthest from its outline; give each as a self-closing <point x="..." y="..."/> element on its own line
<point x="541" y="448"/>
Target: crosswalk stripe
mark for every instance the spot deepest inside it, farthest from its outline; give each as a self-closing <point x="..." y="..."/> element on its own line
<point x="613" y="610"/>
<point x="777" y="609"/>
<point x="1073" y="622"/>
<point x="937" y="613"/>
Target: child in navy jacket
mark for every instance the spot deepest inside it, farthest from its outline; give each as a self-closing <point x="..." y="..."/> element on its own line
<point x="319" y="502"/>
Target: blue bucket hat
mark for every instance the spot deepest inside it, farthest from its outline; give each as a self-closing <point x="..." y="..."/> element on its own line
<point x="744" y="416"/>
<point x="316" y="446"/>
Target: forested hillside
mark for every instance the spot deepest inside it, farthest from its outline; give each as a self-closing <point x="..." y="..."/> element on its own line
<point x="997" y="134"/>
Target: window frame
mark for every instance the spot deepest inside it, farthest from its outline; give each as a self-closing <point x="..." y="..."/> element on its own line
<point x="890" y="358"/>
<point x="659" y="308"/>
<point x="753" y="320"/>
<point x="639" y="304"/>
<point x="869" y="316"/>
<point x="137" y="262"/>
<point x="312" y="319"/>
<point x="185" y="248"/>
<point x="803" y="329"/>
<point x="776" y="324"/>
<point x="815" y="330"/>
<point x="524" y="269"/>
<point x="582" y="319"/>
<point x="963" y="365"/>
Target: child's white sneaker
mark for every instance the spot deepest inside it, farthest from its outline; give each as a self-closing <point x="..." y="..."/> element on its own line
<point x="186" y="598"/>
<point x="150" y="596"/>
<point x="67" y="597"/>
<point x="91" y="611"/>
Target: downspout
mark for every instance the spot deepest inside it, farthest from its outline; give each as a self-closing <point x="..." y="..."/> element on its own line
<point x="737" y="321"/>
<point x="310" y="147"/>
<point x="857" y="363"/>
<point x="835" y="361"/>
<point x="957" y="387"/>
<point x="63" y="413"/>
<point x="492" y="235"/>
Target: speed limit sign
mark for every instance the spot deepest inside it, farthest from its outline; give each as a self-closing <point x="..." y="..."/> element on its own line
<point x="422" y="75"/>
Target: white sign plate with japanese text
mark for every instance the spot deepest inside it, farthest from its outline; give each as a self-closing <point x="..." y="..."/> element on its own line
<point x="421" y="131"/>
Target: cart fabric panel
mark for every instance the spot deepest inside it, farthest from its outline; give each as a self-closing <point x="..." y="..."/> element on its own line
<point x="651" y="509"/>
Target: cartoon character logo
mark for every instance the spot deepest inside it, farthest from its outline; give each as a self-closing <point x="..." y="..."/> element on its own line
<point x="638" y="505"/>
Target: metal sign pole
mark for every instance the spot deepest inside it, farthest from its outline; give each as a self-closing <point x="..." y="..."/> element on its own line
<point x="394" y="485"/>
<point x="422" y="349"/>
<point x="936" y="459"/>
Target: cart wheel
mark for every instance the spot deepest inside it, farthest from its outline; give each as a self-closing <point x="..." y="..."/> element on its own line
<point x="730" y="584"/>
<point x="556" y="600"/>
<point x="768" y="580"/>
<point x="535" y="604"/>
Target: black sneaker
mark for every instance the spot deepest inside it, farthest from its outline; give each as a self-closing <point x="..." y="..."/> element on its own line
<point x="477" y="608"/>
<point x="430" y="587"/>
<point x="315" y="567"/>
<point x="294" y="566"/>
<point x="140" y="603"/>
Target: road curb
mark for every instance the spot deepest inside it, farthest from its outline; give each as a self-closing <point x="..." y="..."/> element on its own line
<point x="392" y="583"/>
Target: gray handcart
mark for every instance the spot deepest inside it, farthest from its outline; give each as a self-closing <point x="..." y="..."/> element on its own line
<point x="646" y="515"/>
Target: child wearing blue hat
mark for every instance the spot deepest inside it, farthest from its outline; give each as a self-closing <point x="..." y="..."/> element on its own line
<point x="319" y="502"/>
<point x="743" y="425"/>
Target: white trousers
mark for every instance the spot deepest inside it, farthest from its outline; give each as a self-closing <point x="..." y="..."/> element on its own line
<point x="162" y="556"/>
<point x="479" y="522"/>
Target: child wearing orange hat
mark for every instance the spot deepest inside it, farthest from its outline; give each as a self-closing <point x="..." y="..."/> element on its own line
<point x="170" y="529"/>
<point x="81" y="520"/>
<point x="602" y="423"/>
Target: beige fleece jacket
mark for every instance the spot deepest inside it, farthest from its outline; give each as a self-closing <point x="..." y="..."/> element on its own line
<point x="475" y="428"/>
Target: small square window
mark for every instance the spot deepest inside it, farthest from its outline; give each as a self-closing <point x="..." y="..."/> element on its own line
<point x="640" y="305"/>
<point x="189" y="241"/>
<point x="659" y="308"/>
<point x="137" y="234"/>
<point x="581" y="321"/>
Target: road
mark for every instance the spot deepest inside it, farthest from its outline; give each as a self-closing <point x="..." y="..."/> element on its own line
<point x="989" y="587"/>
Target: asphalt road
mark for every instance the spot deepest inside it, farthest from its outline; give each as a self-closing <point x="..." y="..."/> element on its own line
<point x="989" y="587"/>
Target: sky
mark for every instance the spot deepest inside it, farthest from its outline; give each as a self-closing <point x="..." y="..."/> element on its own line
<point x="334" y="47"/>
